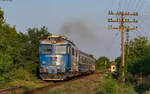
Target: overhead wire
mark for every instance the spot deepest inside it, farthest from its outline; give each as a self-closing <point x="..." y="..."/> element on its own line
<point x="127" y="5"/>
<point x="137" y="6"/>
<point x="130" y="4"/>
<point x="142" y="18"/>
<point x="114" y="37"/>
<point x="140" y="6"/>
<point x="138" y="3"/>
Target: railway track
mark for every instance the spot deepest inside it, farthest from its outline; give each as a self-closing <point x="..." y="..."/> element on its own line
<point x="9" y="90"/>
<point x="35" y="91"/>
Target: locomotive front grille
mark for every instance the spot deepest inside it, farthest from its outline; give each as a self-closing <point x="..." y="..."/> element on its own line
<point x="53" y="76"/>
<point x="53" y="71"/>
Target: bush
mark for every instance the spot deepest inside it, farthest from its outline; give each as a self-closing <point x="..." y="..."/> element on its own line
<point x="142" y="88"/>
<point x="22" y="74"/>
<point x="147" y="92"/>
<point x="6" y="64"/>
<point x="111" y="86"/>
<point x="108" y="86"/>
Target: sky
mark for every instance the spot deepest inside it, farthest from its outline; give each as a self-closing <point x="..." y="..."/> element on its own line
<point x="83" y="21"/>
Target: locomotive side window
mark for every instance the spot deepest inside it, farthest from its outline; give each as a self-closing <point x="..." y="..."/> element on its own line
<point x="73" y="51"/>
<point x="46" y="49"/>
<point x="68" y="49"/>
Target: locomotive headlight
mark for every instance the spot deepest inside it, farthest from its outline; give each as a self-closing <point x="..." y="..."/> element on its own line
<point x="43" y="62"/>
<point x="62" y="63"/>
<point x="57" y="63"/>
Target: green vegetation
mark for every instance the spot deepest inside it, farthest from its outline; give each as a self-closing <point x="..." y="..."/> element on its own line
<point x="19" y="54"/>
<point x="102" y="63"/>
<point x="137" y="68"/>
<point x="112" y="86"/>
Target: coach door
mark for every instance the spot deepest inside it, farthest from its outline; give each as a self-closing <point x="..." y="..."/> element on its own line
<point x="74" y="66"/>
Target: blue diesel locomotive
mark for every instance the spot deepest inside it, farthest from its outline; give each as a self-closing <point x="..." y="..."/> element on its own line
<point x="60" y="59"/>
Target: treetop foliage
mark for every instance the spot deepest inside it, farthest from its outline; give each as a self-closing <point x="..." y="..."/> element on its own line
<point x="18" y="50"/>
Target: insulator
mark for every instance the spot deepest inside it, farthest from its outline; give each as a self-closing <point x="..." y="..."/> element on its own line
<point x="109" y="25"/>
<point x="109" y="12"/>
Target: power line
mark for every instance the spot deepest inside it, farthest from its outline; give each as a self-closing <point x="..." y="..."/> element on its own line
<point x="128" y="2"/>
<point x="140" y="6"/>
<point x="138" y="3"/>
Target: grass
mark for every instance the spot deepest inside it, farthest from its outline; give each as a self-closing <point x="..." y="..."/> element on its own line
<point x="24" y="79"/>
<point x="83" y="86"/>
<point x="112" y="86"/>
<point x="28" y="85"/>
<point x="147" y="92"/>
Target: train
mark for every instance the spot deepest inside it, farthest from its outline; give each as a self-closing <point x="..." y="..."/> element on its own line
<point x="60" y="59"/>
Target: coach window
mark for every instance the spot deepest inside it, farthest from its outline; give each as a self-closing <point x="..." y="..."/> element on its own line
<point x="73" y="51"/>
<point x="83" y="60"/>
<point x="76" y="53"/>
<point x="80" y="59"/>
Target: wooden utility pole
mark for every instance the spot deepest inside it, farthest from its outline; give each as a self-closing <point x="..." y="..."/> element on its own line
<point x="122" y="20"/>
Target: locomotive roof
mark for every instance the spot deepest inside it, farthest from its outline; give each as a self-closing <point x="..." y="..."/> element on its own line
<point x="55" y="38"/>
<point x="85" y="54"/>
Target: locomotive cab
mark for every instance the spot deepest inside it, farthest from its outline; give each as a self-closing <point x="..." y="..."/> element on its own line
<point x="54" y="58"/>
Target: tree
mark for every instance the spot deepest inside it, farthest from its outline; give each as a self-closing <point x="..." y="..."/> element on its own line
<point x="33" y="37"/>
<point x="136" y="47"/>
<point x="19" y="51"/>
<point x="1" y="17"/>
<point x="102" y="62"/>
<point x="91" y="55"/>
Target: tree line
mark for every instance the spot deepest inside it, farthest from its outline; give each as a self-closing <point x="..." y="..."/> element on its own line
<point x="19" y="51"/>
<point x="137" y="63"/>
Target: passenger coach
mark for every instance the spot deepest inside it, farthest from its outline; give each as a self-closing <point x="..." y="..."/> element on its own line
<point x="60" y="59"/>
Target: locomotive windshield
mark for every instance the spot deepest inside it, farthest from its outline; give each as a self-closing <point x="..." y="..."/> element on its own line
<point x="60" y="49"/>
<point x="46" y="49"/>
